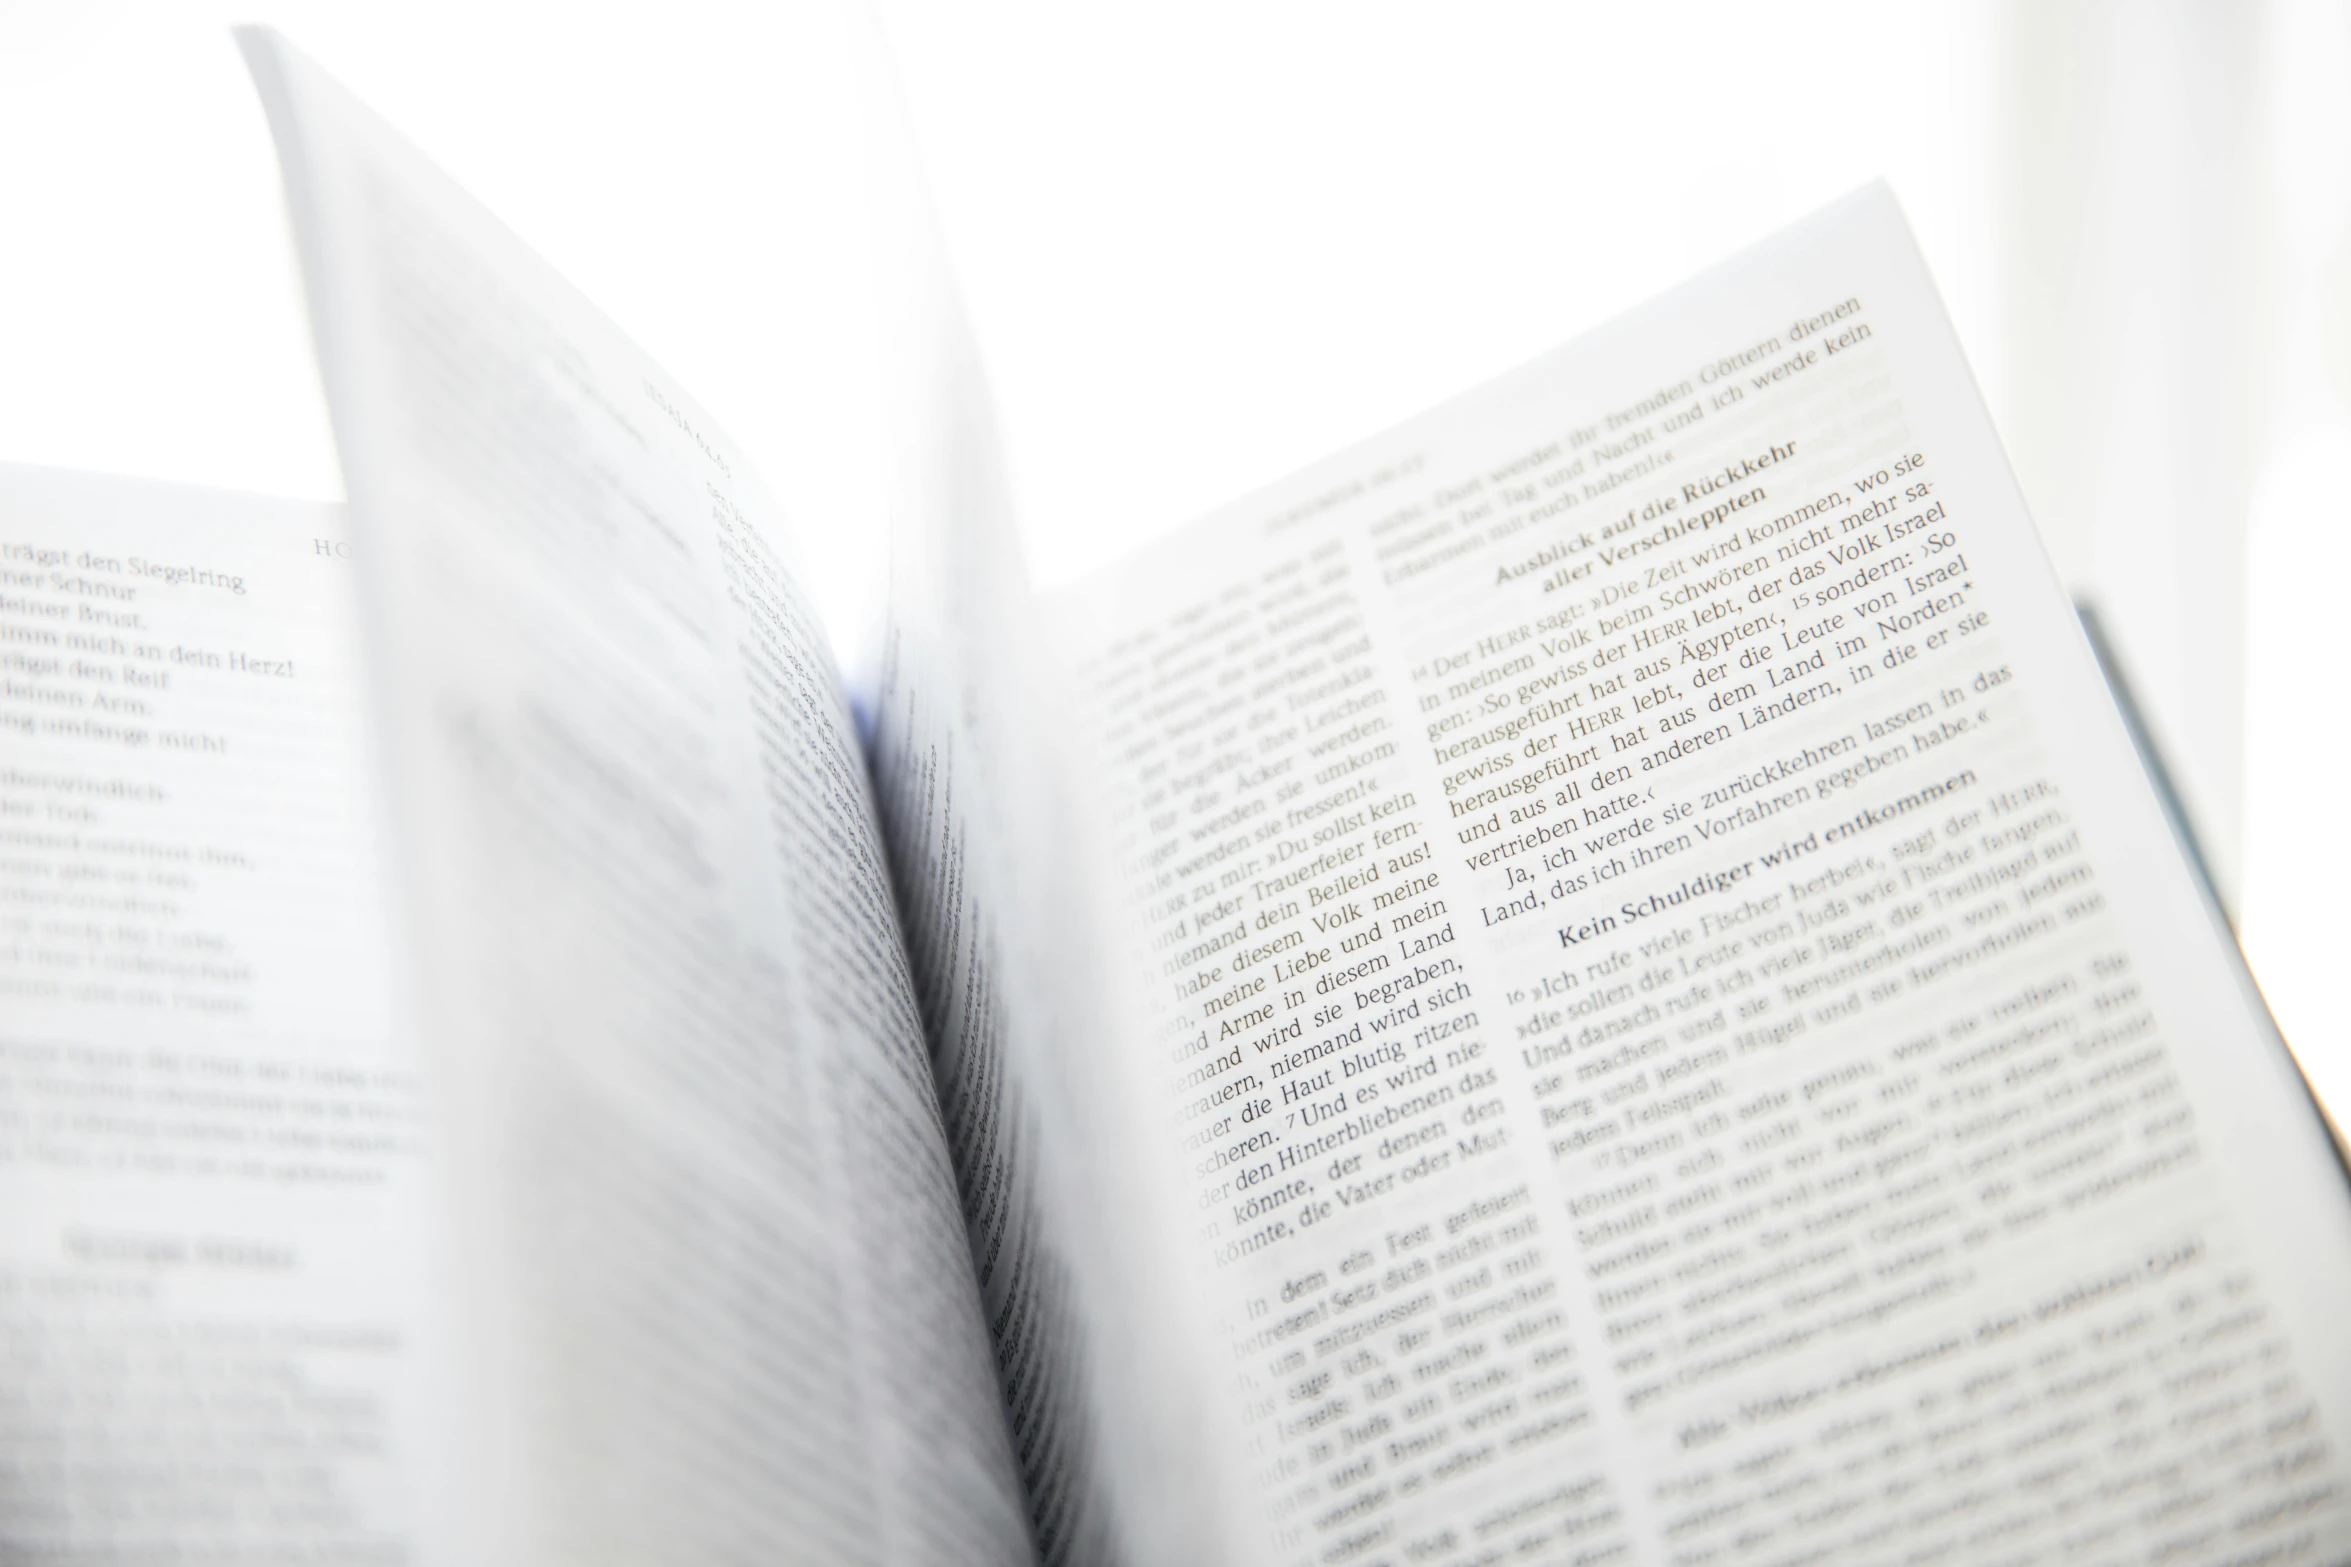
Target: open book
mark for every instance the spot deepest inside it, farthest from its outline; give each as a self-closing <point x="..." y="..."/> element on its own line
<point x="1592" y="979"/>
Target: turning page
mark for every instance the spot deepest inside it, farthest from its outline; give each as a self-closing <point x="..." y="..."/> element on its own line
<point x="211" y="1244"/>
<point x="1686" y="1029"/>
<point x="1095" y="1335"/>
<point x="711" y="1296"/>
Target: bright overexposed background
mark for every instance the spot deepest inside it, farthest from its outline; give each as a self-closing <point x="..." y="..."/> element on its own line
<point x="1204" y="244"/>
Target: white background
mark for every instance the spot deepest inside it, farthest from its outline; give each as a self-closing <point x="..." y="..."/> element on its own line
<point x="1204" y="244"/>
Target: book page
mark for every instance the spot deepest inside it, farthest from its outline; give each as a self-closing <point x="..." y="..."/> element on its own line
<point x="712" y="1294"/>
<point x="1688" y="1031"/>
<point x="211" y="1258"/>
<point x="991" y="845"/>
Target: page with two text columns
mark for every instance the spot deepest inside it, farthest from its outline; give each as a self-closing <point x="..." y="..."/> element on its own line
<point x="1689" y="1035"/>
